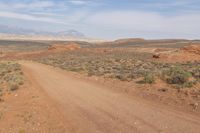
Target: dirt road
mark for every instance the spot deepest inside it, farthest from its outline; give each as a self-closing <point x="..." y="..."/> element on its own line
<point x="90" y="108"/>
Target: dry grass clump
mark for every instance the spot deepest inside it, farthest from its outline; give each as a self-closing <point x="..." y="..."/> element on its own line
<point x="11" y="77"/>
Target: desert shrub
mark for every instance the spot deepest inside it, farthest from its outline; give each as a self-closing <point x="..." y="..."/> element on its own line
<point x="126" y="66"/>
<point x="148" y="78"/>
<point x="14" y="87"/>
<point x="91" y="72"/>
<point x="189" y="84"/>
<point x="122" y="77"/>
<point x="21" y="82"/>
<point x="176" y="75"/>
<point x="11" y="76"/>
<point x="196" y="73"/>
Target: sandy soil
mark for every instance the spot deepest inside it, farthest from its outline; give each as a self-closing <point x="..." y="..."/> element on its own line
<point x="88" y="107"/>
<point x="185" y="54"/>
<point x="30" y="110"/>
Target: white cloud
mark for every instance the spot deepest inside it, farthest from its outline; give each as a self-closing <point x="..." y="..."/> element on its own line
<point x="167" y="4"/>
<point x="126" y="19"/>
<point x="45" y="14"/>
<point x="29" y="17"/>
<point x="109" y="23"/>
<point x="147" y="24"/>
<point x="31" y="5"/>
<point x="41" y="4"/>
<point x="78" y="2"/>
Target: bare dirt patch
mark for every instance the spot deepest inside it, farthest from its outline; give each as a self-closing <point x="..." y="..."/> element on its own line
<point x="52" y="49"/>
<point x="195" y="49"/>
<point x="185" y="54"/>
<point x="95" y="108"/>
<point x="62" y="47"/>
<point x="172" y="83"/>
<point x="29" y="110"/>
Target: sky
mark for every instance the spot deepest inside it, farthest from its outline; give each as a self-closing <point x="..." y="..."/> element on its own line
<point x="107" y="19"/>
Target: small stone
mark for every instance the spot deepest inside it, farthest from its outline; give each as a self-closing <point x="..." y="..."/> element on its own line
<point x="195" y="105"/>
<point x="163" y="89"/>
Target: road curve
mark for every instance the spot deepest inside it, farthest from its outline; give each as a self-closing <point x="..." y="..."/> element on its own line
<point x="89" y="108"/>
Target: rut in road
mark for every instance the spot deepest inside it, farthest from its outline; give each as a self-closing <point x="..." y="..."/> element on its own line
<point x="89" y="108"/>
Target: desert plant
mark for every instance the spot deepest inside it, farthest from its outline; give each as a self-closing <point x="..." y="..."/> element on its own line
<point x="176" y="75"/>
<point x="14" y="87"/>
<point x="189" y="84"/>
<point x="126" y="66"/>
<point x="148" y="78"/>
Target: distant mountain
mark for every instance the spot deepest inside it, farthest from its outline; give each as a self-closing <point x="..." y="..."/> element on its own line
<point x="70" y="33"/>
<point x="4" y="29"/>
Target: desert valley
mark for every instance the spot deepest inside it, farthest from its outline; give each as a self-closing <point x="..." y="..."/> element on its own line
<point x="117" y="86"/>
<point x="100" y="66"/>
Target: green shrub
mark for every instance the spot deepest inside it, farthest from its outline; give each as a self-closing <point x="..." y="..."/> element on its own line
<point x="196" y="73"/>
<point x="122" y="77"/>
<point x="189" y="84"/>
<point x="177" y="75"/>
<point x="14" y="87"/>
<point x="148" y="79"/>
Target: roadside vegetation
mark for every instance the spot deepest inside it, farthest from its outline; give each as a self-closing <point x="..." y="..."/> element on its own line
<point x="127" y="66"/>
<point x="11" y="77"/>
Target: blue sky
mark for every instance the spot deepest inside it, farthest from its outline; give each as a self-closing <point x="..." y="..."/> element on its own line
<point x="107" y="19"/>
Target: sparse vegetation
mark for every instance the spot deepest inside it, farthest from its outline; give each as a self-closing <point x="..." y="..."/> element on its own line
<point x="179" y="76"/>
<point x="11" y="77"/>
<point x="148" y="79"/>
<point x="163" y="82"/>
<point x="127" y="66"/>
<point x="176" y="75"/>
<point x="14" y="87"/>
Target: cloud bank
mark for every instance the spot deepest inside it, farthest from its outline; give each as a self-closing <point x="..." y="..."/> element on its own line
<point x="149" y="23"/>
<point x="103" y="19"/>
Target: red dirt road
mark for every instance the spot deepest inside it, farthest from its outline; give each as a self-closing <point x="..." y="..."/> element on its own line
<point x="90" y="108"/>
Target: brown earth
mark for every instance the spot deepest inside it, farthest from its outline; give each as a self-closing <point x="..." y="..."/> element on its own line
<point x="62" y="47"/>
<point x="195" y="49"/>
<point x="88" y="107"/>
<point x="30" y="110"/>
<point x="55" y="101"/>
<point x="53" y="49"/>
<point x="187" y="53"/>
